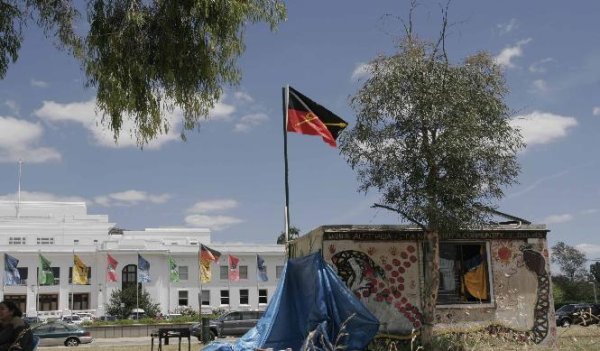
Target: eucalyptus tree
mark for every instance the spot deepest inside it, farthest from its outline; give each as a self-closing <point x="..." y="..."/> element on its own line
<point x="144" y="58"/>
<point x="433" y="138"/>
<point x="570" y="260"/>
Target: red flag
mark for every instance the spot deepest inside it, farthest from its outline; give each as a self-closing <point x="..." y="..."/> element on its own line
<point x="234" y="269"/>
<point x="111" y="268"/>
<point x="308" y="117"/>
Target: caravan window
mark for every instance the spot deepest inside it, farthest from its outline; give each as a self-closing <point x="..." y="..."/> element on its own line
<point x="464" y="274"/>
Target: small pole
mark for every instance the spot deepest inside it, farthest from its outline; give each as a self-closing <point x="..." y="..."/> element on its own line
<point x="595" y="296"/>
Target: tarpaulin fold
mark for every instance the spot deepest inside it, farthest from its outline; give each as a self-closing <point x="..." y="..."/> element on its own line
<point x="309" y="296"/>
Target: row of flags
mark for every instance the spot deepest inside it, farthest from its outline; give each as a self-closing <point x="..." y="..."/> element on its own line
<point x="45" y="273"/>
<point x="207" y="256"/>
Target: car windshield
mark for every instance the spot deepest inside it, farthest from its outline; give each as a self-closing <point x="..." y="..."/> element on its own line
<point x="566" y="308"/>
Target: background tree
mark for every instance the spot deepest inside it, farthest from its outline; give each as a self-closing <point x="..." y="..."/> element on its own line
<point x="127" y="296"/>
<point x="294" y="233"/>
<point x="565" y="291"/>
<point x="595" y="271"/>
<point x="146" y="57"/>
<point x="433" y="137"/>
<point x="570" y="260"/>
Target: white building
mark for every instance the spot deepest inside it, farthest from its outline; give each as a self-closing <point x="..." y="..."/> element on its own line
<point x="58" y="230"/>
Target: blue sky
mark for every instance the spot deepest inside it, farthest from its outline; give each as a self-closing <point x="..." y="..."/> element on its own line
<point x="229" y="174"/>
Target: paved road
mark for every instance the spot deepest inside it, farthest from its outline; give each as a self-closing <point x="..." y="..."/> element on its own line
<point x="135" y="341"/>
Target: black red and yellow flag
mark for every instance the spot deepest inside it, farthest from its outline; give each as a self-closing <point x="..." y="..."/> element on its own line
<point x="308" y="117"/>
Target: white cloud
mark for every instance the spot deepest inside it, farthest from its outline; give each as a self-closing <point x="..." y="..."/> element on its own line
<point x="199" y="218"/>
<point x="13" y="106"/>
<point x="213" y="222"/>
<point x="542" y="127"/>
<point x="85" y="114"/>
<point x="509" y="53"/>
<point x="540" y="66"/>
<point x="590" y="211"/>
<point x="558" y="218"/>
<point x="213" y="206"/>
<point x="18" y="140"/>
<point x="130" y="198"/>
<point x="362" y="70"/>
<point x="540" y="86"/>
<point x="596" y="111"/>
<point x="221" y="111"/>
<point x="248" y="122"/>
<point x="591" y="250"/>
<point x="41" y="196"/>
<point x="38" y="83"/>
<point x="505" y="28"/>
<point x="242" y="96"/>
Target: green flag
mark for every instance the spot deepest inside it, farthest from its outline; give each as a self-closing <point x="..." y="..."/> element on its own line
<point x="45" y="275"/>
<point x="173" y="271"/>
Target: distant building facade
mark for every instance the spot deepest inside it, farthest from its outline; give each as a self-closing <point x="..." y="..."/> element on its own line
<point x="60" y="230"/>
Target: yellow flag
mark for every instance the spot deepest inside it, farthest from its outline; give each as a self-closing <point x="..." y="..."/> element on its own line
<point x="80" y="271"/>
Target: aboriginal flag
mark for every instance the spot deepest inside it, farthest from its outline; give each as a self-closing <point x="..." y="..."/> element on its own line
<point x="307" y="117"/>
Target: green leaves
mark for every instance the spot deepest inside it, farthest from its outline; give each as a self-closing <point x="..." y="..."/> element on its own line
<point x="146" y="58"/>
<point x="433" y="137"/>
<point x="55" y="17"/>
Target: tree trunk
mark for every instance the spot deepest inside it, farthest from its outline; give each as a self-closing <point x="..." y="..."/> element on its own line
<point x="432" y="282"/>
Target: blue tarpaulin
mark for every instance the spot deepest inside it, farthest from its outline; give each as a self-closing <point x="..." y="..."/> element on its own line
<point x="310" y="296"/>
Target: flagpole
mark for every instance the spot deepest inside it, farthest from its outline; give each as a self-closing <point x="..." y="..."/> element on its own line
<point x="199" y="258"/>
<point x="285" y="93"/>
<point x="37" y="295"/>
<point x="169" y="291"/>
<point x="72" y="279"/>
<point x="257" y="280"/>
<point x="228" y="281"/>
<point x="137" y="283"/>
<point x="4" y="278"/>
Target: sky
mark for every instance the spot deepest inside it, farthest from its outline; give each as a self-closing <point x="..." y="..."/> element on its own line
<point x="229" y="174"/>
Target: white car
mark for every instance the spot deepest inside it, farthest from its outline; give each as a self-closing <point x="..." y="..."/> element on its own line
<point x="85" y="316"/>
<point x="73" y="319"/>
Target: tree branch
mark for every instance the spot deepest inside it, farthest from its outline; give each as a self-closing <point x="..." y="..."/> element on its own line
<point x="422" y="226"/>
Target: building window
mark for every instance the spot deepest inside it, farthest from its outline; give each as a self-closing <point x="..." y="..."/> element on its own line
<point x="464" y="273"/>
<point x="224" y="273"/>
<point x="183" y="272"/>
<point x="76" y="242"/>
<point x="23" y="273"/>
<point x="89" y="275"/>
<point x="79" y="301"/>
<point x="205" y="298"/>
<point x="278" y="271"/>
<point x="19" y="300"/>
<point x="244" y="296"/>
<point x="183" y="298"/>
<point x="129" y="276"/>
<point x="45" y="241"/>
<point x="95" y="241"/>
<point x="55" y="273"/>
<point x="17" y="240"/>
<point x="243" y="272"/>
<point x="262" y="296"/>
<point x="47" y="302"/>
<point x="224" y="297"/>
